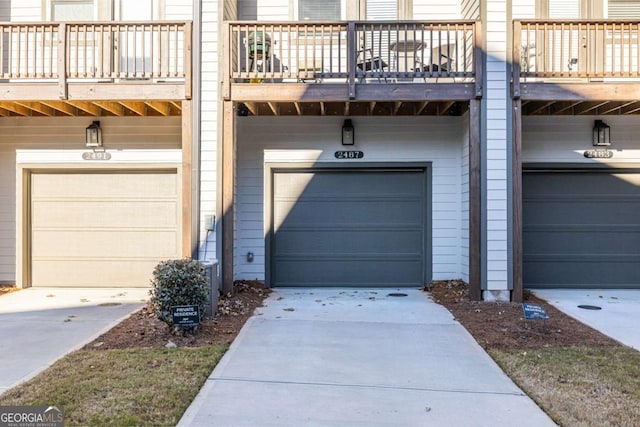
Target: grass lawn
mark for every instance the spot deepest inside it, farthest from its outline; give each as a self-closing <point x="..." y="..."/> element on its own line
<point x="132" y="387"/>
<point x="579" y="386"/>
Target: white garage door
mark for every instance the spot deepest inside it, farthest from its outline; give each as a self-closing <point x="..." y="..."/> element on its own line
<point x="102" y="229"/>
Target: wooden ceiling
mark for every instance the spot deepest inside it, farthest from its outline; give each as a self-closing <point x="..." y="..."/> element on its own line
<point x="353" y="108"/>
<point x="89" y="108"/>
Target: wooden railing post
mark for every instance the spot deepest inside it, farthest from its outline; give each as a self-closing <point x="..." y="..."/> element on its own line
<point x="516" y="58"/>
<point x="226" y="66"/>
<point x="62" y="61"/>
<point x="351" y="58"/>
<point x="478" y="58"/>
<point x="187" y="59"/>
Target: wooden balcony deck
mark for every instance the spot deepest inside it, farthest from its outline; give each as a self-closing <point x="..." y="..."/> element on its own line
<point x="94" y="68"/>
<point x="352" y="68"/>
<point x="577" y="66"/>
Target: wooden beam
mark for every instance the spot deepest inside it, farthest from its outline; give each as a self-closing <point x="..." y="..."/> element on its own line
<point x="228" y="174"/>
<point x="323" y="110"/>
<point x="110" y="106"/>
<point x="632" y="108"/>
<point x="587" y="107"/>
<point x="421" y="107"/>
<point x="63" y="107"/>
<point x="559" y="91"/>
<point x="135" y="106"/>
<point x="188" y="247"/>
<point x="274" y="108"/>
<point x="347" y="107"/>
<point x="446" y="108"/>
<point x="15" y="108"/>
<point x="372" y="106"/>
<point x="336" y="92"/>
<point x="159" y="106"/>
<point x="396" y="107"/>
<point x="298" y="109"/>
<point x="177" y="105"/>
<point x="615" y="106"/>
<point x="251" y="106"/>
<point x="37" y="107"/>
<point x="87" y="107"/>
<point x="516" y="202"/>
<point x="558" y="110"/>
<point x="543" y="106"/>
<point x="475" y="211"/>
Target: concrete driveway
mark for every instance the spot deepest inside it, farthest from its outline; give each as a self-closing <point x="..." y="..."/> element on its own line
<point x="343" y="357"/>
<point x="40" y="325"/>
<point x="618" y="317"/>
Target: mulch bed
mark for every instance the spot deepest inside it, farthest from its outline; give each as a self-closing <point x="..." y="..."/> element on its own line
<point x="501" y="325"/>
<point x="143" y="329"/>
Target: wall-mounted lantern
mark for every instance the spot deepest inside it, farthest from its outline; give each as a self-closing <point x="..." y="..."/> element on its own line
<point x="601" y="134"/>
<point x="348" y="133"/>
<point x="94" y="135"/>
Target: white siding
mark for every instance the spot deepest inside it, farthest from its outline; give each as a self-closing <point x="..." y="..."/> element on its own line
<point x="496" y="144"/>
<point x="464" y="211"/>
<point x="432" y="10"/>
<point x="208" y="125"/>
<point x="66" y="133"/>
<point x="383" y="139"/>
<point x="523" y="9"/>
<point x="26" y="10"/>
<point x="181" y="10"/>
<point x="564" y="139"/>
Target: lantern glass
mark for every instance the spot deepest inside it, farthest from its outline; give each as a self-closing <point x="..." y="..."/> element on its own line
<point x="601" y="134"/>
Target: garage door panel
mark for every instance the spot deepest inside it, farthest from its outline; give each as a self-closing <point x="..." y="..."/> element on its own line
<point x="105" y="184"/>
<point x="349" y="228"/>
<point x="94" y="273"/>
<point x="581" y="229"/>
<point x="106" y="213"/>
<point x="376" y="211"/>
<point x="584" y="240"/>
<point x="347" y="241"/>
<point x="104" y="243"/>
<point x="349" y="271"/>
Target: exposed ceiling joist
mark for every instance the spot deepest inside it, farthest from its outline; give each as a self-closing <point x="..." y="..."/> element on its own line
<point x="587" y="107"/>
<point x="614" y="106"/>
<point x="421" y="107"/>
<point x="16" y="108"/>
<point x="137" y="107"/>
<point x="566" y="107"/>
<point x="447" y="107"/>
<point x="396" y="107"/>
<point x="38" y="107"/>
<point x="160" y="107"/>
<point x="111" y="106"/>
<point x="87" y="107"/>
<point x="274" y="108"/>
<point x="540" y="108"/>
<point x="63" y="107"/>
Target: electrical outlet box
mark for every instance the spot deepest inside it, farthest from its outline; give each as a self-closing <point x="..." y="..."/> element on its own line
<point x="210" y="222"/>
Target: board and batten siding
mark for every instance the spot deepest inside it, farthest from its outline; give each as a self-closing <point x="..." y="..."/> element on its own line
<point x="555" y="139"/>
<point x="66" y="133"/>
<point x="382" y="139"/>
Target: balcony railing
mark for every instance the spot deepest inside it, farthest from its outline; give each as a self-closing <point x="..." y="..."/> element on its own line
<point x="582" y="49"/>
<point x="376" y="52"/>
<point x="95" y="51"/>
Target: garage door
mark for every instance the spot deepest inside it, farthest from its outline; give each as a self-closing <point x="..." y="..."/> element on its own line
<point x="581" y="229"/>
<point x="349" y="228"/>
<point x="104" y="229"/>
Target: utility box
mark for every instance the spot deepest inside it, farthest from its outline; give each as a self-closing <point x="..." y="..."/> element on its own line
<point x="212" y="279"/>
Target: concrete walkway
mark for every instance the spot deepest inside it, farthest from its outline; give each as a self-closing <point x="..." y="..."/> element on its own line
<point x="40" y="325"/>
<point x="618" y="317"/>
<point x="336" y="357"/>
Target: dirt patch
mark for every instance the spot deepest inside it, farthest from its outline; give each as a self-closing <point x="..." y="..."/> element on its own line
<point x="143" y="329"/>
<point x="501" y="325"/>
<point x="5" y="289"/>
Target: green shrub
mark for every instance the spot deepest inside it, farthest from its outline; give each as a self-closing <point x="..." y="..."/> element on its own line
<point x="178" y="282"/>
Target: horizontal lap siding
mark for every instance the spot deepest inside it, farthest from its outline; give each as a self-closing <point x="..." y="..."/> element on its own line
<point x="383" y="139"/>
<point x="17" y="133"/>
